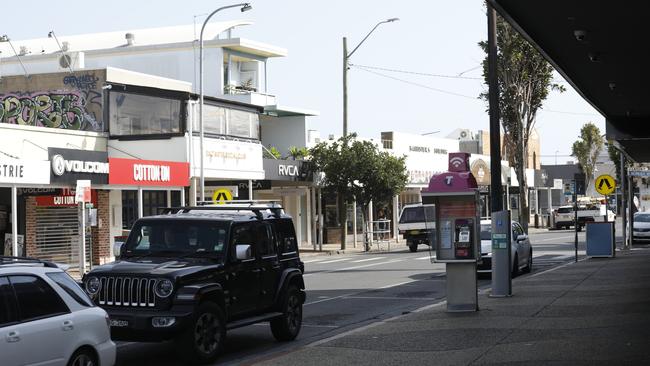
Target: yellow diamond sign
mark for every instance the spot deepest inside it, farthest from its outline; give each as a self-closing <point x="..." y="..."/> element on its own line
<point x="605" y="184"/>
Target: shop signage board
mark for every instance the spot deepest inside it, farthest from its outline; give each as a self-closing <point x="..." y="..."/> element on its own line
<point x="288" y="170"/>
<point x="18" y="171"/>
<point x="69" y="165"/>
<point x="226" y="159"/>
<point x="150" y="173"/>
<point x="64" y="198"/>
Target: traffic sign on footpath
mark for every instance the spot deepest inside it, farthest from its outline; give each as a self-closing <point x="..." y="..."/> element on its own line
<point x="605" y="184"/>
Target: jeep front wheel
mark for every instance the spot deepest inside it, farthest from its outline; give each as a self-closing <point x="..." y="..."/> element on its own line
<point x="287" y="326"/>
<point x="203" y="339"/>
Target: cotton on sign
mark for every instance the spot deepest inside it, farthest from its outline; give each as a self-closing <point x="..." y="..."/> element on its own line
<point x="151" y="173"/>
<point x="135" y="172"/>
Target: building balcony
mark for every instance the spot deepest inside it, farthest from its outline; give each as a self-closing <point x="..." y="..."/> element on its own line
<point x="248" y="95"/>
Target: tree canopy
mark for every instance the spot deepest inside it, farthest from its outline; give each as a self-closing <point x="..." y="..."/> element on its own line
<point x="587" y="148"/>
<point x="525" y="79"/>
<point x="357" y="171"/>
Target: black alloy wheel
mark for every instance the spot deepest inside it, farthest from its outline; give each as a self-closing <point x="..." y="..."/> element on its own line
<point x="286" y="327"/>
<point x="515" y="267"/>
<point x="529" y="265"/>
<point x="203" y="340"/>
<point x="82" y="357"/>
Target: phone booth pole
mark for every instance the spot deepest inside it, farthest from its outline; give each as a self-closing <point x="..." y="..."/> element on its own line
<point x="457" y="235"/>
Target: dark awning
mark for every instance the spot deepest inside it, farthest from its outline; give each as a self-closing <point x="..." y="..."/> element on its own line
<point x="602" y="49"/>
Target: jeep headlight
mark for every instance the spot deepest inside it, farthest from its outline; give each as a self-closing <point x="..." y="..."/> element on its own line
<point x="93" y="285"/>
<point x="164" y="288"/>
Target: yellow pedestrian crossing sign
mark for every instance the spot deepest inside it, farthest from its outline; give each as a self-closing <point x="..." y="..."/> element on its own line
<point x="221" y="195"/>
<point x="605" y="184"/>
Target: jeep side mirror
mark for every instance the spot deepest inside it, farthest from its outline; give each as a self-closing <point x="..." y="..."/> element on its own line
<point x="243" y="252"/>
<point x="117" y="249"/>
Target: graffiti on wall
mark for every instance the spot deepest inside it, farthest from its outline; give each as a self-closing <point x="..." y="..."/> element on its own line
<point x="77" y="109"/>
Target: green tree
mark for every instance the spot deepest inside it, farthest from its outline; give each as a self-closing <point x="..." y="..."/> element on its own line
<point x="357" y="170"/>
<point x="587" y="148"/>
<point x="525" y="79"/>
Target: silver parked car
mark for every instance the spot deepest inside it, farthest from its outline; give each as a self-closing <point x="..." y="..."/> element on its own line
<point x="521" y="258"/>
<point x="641" y="227"/>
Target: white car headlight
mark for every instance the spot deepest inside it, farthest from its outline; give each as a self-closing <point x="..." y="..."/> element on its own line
<point x="93" y="285"/>
<point x="164" y="288"/>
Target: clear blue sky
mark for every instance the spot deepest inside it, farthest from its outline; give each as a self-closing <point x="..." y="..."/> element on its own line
<point x="432" y="37"/>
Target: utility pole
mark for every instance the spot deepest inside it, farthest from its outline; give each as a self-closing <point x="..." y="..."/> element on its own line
<point x="345" y="86"/>
<point x="496" y="197"/>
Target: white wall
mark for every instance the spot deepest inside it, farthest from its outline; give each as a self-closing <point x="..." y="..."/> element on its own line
<point x="284" y="132"/>
<point x="28" y="142"/>
<point x="421" y="165"/>
<point x="179" y="64"/>
<point x="174" y="149"/>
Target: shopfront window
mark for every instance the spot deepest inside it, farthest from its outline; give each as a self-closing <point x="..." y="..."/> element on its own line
<point x="227" y="121"/>
<point x="151" y="202"/>
<point x="137" y="115"/>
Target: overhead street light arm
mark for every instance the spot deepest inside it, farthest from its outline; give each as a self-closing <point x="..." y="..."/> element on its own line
<point x="244" y="7"/>
<point x="369" y="33"/>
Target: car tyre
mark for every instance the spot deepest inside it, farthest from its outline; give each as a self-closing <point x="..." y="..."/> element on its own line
<point x="286" y="327"/>
<point x="413" y="247"/>
<point x="83" y="357"/>
<point x="515" y="267"/>
<point x="529" y="265"/>
<point x="203" y="339"/>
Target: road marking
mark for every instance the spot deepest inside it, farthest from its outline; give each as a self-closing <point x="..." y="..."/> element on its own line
<point x="314" y="260"/>
<point x="423" y="258"/>
<point x="390" y="298"/>
<point x="336" y="260"/>
<point x="356" y="293"/>
<point x="368" y="259"/>
<point x="356" y="267"/>
<point x="556" y="238"/>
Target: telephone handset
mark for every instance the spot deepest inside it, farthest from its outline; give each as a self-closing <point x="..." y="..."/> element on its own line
<point x="463" y="233"/>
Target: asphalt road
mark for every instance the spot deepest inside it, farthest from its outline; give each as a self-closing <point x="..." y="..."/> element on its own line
<point x="348" y="291"/>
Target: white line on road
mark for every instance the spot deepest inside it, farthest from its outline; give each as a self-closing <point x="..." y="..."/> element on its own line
<point x="556" y="238"/>
<point x="356" y="293"/>
<point x="423" y="258"/>
<point x="368" y="259"/>
<point x="390" y="298"/>
<point x="336" y="260"/>
<point x="356" y="267"/>
<point x="314" y="260"/>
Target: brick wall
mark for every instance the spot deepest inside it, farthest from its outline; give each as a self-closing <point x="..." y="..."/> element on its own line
<point x="101" y="233"/>
<point x="30" y="227"/>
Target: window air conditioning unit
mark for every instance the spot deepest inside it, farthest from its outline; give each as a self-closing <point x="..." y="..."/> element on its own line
<point x="465" y="135"/>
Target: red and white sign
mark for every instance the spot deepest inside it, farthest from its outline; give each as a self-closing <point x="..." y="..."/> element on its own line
<point x="134" y="172"/>
<point x="83" y="191"/>
<point x="65" y="198"/>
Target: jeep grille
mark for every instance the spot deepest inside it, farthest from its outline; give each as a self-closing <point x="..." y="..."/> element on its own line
<point x="127" y="291"/>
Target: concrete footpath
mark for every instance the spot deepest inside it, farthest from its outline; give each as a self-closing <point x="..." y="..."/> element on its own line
<point x="594" y="312"/>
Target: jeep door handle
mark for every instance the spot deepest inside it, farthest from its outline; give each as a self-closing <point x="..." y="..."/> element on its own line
<point x="13" y="337"/>
<point x="67" y="325"/>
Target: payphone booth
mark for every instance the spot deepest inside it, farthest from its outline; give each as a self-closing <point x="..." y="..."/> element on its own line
<point x="456" y="237"/>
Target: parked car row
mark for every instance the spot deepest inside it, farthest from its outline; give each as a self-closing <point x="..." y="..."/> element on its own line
<point x="189" y="276"/>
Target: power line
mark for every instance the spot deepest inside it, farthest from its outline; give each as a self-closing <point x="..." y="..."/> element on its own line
<point x="417" y="73"/>
<point x="417" y="84"/>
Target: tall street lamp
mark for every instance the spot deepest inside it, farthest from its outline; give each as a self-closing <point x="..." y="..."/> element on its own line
<point x="346" y="57"/>
<point x="244" y="7"/>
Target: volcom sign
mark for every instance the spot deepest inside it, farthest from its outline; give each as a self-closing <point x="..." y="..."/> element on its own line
<point x="60" y="166"/>
<point x="68" y="166"/>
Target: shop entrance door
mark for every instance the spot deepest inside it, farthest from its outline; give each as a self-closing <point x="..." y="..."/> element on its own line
<point x="57" y="236"/>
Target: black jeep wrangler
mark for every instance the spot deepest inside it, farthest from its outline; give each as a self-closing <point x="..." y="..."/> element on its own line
<point x="193" y="273"/>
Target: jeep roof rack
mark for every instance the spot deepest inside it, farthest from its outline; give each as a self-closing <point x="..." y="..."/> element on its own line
<point x="9" y="260"/>
<point x="251" y="205"/>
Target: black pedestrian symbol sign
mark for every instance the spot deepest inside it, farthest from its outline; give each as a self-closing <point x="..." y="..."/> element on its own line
<point x="605" y="184"/>
<point x="221" y="195"/>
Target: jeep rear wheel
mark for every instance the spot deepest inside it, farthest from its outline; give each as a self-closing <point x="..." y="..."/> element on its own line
<point x="203" y="339"/>
<point x="413" y="247"/>
<point x="287" y="326"/>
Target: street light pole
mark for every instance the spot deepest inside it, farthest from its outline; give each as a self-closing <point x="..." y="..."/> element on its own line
<point x="346" y="58"/>
<point x="244" y="7"/>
